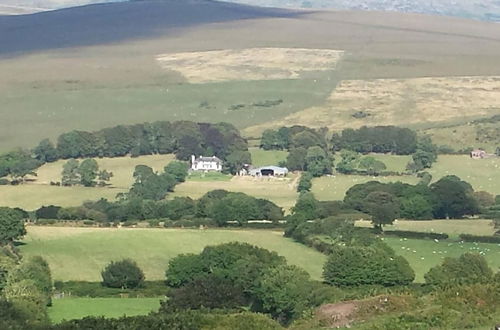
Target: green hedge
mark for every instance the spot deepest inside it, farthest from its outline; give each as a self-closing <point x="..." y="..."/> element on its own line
<point x="97" y="290"/>
<point x="480" y="239"/>
<point x="415" y="234"/>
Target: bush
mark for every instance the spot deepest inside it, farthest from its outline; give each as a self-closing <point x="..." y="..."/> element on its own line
<point x="352" y="266"/>
<point x="469" y="268"/>
<point x="415" y="234"/>
<point x="122" y="274"/>
<point x="480" y="239"/>
<point x="4" y="182"/>
<point x="47" y="212"/>
<point x="88" y="222"/>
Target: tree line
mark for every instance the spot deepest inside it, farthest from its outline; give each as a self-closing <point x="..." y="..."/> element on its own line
<point x="182" y="138"/>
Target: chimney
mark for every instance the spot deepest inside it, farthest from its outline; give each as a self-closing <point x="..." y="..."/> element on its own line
<point x="192" y="159"/>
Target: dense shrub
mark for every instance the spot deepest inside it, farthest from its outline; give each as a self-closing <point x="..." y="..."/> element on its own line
<point x="122" y="274"/>
<point x="47" y="212"/>
<point x="469" y="268"/>
<point x="353" y="266"/>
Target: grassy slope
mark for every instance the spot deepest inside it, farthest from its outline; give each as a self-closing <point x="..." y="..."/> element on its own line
<point x="39" y="192"/>
<point x="450" y="227"/>
<point x="106" y="84"/>
<point x="422" y="255"/>
<point x="81" y="253"/>
<point x="335" y="187"/>
<point x="482" y="174"/>
<point x="76" y="308"/>
<point x="261" y="157"/>
<point x="280" y="191"/>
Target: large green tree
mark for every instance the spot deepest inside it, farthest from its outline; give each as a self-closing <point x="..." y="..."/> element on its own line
<point x="453" y="198"/>
<point x="122" y="274"/>
<point x="11" y="225"/>
<point x="88" y="171"/>
<point x="383" y="208"/>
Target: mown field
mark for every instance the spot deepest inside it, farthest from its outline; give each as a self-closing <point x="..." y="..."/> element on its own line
<point x="77" y="308"/>
<point x="81" y="253"/>
<point x="39" y="192"/>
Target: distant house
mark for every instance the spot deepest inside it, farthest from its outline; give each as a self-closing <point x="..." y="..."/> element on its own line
<point x="206" y="164"/>
<point x="478" y="154"/>
<point x="268" y="171"/>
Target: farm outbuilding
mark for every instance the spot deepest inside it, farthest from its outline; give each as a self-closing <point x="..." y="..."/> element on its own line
<point x="269" y="171"/>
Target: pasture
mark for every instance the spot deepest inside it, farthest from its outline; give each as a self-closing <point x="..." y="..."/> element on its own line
<point x="453" y="228"/>
<point x="77" y="308"/>
<point x="81" y="253"/>
<point x="261" y="157"/>
<point x="334" y="187"/>
<point x="482" y="174"/>
<point x="281" y="191"/>
<point x="425" y="254"/>
<point x="39" y="192"/>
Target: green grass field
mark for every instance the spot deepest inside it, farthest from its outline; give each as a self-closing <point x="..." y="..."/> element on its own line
<point x="81" y="253"/>
<point x="77" y="308"/>
<point x="450" y="227"/>
<point x="39" y="192"/>
<point x="482" y="174"/>
<point x="424" y="254"/>
<point x="261" y="157"/>
<point x="209" y="176"/>
<point x="393" y="162"/>
<point x="335" y="187"/>
<point x="281" y="191"/>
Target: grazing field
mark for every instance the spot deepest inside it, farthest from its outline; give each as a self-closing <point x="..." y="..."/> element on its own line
<point x="32" y="196"/>
<point x="424" y="254"/>
<point x="249" y="64"/>
<point x="329" y="188"/>
<point x="416" y="102"/>
<point x="261" y="157"/>
<point x="122" y="168"/>
<point x="394" y="163"/>
<point x="450" y="227"/>
<point x="77" y="308"/>
<point x="482" y="174"/>
<point x="81" y="253"/>
<point x="39" y="192"/>
<point x="458" y="137"/>
<point x="281" y="191"/>
<point x="208" y="177"/>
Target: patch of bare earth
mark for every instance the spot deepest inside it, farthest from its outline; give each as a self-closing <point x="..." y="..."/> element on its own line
<point x="249" y="64"/>
<point x="337" y="315"/>
<point x="404" y="102"/>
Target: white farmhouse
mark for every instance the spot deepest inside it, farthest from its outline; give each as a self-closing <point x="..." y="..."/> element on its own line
<point x="206" y="164"/>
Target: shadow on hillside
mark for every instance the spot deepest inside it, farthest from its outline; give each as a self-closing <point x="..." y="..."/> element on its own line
<point x="116" y="22"/>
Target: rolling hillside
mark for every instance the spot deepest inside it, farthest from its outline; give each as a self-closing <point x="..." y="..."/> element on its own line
<point x="100" y="65"/>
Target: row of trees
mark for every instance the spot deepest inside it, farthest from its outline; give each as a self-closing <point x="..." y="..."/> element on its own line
<point x="449" y="197"/>
<point x="378" y="139"/>
<point x="182" y="138"/>
<point x="222" y="206"/>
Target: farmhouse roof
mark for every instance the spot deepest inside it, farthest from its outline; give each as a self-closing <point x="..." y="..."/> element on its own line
<point x="208" y="159"/>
